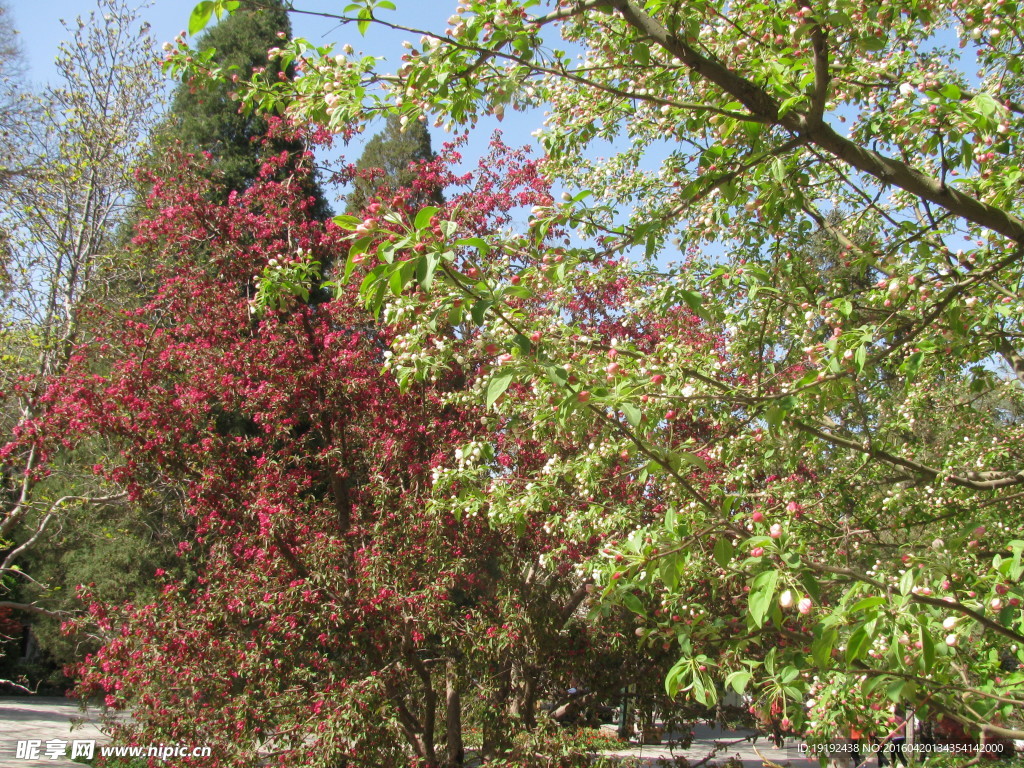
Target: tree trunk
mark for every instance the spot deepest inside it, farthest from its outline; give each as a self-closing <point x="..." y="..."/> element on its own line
<point x="453" y="716"/>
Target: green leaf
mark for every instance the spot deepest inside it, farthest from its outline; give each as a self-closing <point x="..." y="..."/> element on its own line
<point x="358" y="247"/>
<point x="873" y="43"/>
<point x="673" y="678"/>
<point x="633" y="415"/>
<point x="860" y="357"/>
<point x="738" y="680"/>
<point x="424" y="216"/>
<point x="559" y="376"/>
<point x="668" y="570"/>
<point x="348" y="223"/>
<point x="425" y="270"/>
<point x="894" y="690"/>
<point x="455" y="314"/>
<point x="761" y="593"/>
<point x="496" y="387"/>
<point x="789" y="104"/>
<point x="475" y="242"/>
<point x="200" y="17"/>
<point x="376" y="303"/>
<point x="632" y="602"/>
<point x="704" y="690"/>
<point x="679" y="458"/>
<point x="401" y="276"/>
<point x="695" y="303"/>
<point x="812" y="586"/>
<point x="824" y="642"/>
<point x="928" y="649"/>
<point x="522" y="343"/>
<point x="907" y="581"/>
<point x="652" y="245"/>
<point x="479" y="310"/>
<point x="723" y="551"/>
<point x="871" y="684"/>
<point x="867" y="602"/>
<point x="986" y="105"/>
<point x="912" y="365"/>
<point x="858" y="644"/>
<point x="369" y="281"/>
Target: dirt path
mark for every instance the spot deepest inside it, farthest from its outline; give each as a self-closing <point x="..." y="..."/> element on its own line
<point x="728" y="745"/>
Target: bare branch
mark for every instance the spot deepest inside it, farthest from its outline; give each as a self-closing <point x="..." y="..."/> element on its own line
<point x="30" y="608"/>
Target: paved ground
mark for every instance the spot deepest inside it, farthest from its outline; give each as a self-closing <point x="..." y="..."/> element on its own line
<point x="48" y="719"/>
<point x="725" y="745"/>
<point x="43" y="718"/>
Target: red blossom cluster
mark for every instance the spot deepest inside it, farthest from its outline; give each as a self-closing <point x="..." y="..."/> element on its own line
<point x="336" y="608"/>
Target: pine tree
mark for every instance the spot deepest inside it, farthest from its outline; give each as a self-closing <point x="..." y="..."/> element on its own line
<point x="209" y="120"/>
<point x="388" y="161"/>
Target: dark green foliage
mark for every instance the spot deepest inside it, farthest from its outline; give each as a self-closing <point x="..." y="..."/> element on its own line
<point x="385" y="161"/>
<point x="115" y="551"/>
<point x="209" y="120"/>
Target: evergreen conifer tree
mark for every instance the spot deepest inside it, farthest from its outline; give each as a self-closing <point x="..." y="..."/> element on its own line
<point x="387" y="159"/>
<point x="209" y="120"/>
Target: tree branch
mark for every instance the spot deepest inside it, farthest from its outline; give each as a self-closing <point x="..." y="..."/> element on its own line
<point x="763" y="106"/>
<point x="932" y="601"/>
<point x="979" y="481"/>
<point x="30" y="608"/>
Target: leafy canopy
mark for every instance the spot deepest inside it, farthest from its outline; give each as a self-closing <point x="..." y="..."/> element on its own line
<point x="831" y="447"/>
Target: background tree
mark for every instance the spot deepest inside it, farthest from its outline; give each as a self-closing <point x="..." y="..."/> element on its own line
<point x="340" y="615"/>
<point x="209" y="120"/>
<point x="79" y="139"/>
<point x="389" y="160"/>
<point x="12" y="101"/>
<point x="832" y="556"/>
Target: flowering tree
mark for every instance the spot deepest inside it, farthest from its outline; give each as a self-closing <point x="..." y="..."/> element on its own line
<point x="828" y="448"/>
<point x="345" y="611"/>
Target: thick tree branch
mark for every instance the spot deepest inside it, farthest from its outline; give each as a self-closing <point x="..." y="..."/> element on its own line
<point x="29" y="608"/>
<point x="25" y="545"/>
<point x="763" y="106"/>
<point x="979" y="481"/>
<point x="574" y="601"/>
<point x="952" y="605"/>
<point x="1014" y="360"/>
<point x="819" y="42"/>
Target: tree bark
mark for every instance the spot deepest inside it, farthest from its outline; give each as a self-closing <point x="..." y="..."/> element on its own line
<point x="454" y="748"/>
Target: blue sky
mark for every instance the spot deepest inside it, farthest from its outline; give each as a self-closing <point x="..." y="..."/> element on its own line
<point x="41" y="31"/>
